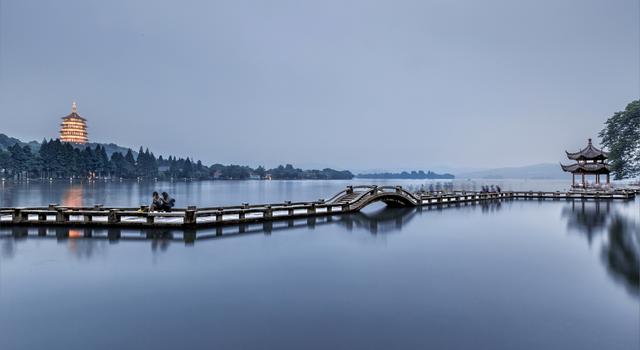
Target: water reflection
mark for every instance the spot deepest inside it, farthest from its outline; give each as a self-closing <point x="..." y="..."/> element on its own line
<point x="85" y="242"/>
<point x="620" y="233"/>
<point x="621" y="253"/>
<point x="621" y="239"/>
<point x="588" y="218"/>
<point x="73" y="196"/>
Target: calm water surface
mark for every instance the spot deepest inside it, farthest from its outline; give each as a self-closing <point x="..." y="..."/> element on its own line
<point x="504" y="275"/>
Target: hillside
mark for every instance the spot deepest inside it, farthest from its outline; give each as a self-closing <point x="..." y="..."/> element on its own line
<point x="6" y="142"/>
<point x="110" y="148"/>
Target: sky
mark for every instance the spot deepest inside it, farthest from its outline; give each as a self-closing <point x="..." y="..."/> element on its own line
<point x="346" y="84"/>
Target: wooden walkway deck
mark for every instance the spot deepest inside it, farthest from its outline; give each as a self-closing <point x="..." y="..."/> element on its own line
<point x="352" y="199"/>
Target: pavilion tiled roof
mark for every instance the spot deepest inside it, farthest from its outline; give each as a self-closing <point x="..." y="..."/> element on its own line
<point x="588" y="153"/>
<point x="586" y="167"/>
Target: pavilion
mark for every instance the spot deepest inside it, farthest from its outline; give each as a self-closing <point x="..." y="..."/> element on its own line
<point x="589" y="161"/>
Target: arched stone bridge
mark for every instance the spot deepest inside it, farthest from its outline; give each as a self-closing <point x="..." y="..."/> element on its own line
<point x="358" y="197"/>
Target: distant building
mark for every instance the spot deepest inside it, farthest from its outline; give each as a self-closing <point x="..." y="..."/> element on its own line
<point x="589" y="161"/>
<point x="73" y="128"/>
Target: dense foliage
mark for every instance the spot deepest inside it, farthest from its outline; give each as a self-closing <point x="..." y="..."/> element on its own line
<point x="55" y="159"/>
<point x="421" y="175"/>
<point x="622" y="136"/>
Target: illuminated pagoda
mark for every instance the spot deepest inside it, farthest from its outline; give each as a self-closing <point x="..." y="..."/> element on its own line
<point x="589" y="161"/>
<point x="74" y="128"/>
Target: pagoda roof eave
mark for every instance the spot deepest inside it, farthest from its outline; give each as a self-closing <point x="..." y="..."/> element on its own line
<point x="74" y="115"/>
<point x="586" y="168"/>
<point x="588" y="153"/>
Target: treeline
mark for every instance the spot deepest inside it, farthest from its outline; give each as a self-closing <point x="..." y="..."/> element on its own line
<point x="621" y="136"/>
<point x="56" y="160"/>
<point x="418" y="175"/>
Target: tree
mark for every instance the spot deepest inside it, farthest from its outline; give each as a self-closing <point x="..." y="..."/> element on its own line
<point x="622" y="136"/>
<point x="261" y="171"/>
<point x="187" y="169"/>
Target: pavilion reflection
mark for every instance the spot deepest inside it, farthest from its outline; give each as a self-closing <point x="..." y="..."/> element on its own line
<point x="588" y="218"/>
<point x="621" y="239"/>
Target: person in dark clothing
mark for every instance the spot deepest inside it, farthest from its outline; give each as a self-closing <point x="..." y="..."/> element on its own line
<point x="156" y="202"/>
<point x="167" y="202"/>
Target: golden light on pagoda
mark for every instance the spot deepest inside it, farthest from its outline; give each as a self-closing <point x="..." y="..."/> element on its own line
<point x="74" y="128"/>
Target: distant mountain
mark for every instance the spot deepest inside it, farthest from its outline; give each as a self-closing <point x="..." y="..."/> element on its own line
<point x="6" y="142"/>
<point x="420" y="175"/>
<point x="537" y="171"/>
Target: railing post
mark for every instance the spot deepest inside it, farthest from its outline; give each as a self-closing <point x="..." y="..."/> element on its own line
<point x="190" y="216"/>
<point x="219" y="215"/>
<point x="268" y="212"/>
<point x="42" y="217"/>
<point x="88" y="217"/>
<point x="349" y="189"/>
<point x="241" y="215"/>
<point x="61" y="216"/>
<point x="311" y="209"/>
<point x="345" y="207"/>
<point x="398" y="189"/>
<point x="113" y="216"/>
<point x="16" y="217"/>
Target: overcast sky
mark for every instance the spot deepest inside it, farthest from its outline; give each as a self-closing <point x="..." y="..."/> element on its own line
<point x="347" y="84"/>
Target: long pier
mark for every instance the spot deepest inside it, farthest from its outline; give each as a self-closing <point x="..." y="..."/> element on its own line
<point x="352" y="199"/>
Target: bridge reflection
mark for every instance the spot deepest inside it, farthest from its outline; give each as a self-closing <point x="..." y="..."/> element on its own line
<point x="85" y="241"/>
<point x="620" y="233"/>
<point x="380" y="221"/>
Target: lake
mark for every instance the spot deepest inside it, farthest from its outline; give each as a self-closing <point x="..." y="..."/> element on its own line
<point x="516" y="274"/>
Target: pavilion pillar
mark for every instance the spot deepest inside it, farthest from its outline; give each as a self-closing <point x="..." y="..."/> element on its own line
<point x="597" y="178"/>
<point x="607" y="179"/>
<point x="584" y="184"/>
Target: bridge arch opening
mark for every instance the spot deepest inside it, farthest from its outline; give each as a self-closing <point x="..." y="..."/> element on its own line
<point x="393" y="200"/>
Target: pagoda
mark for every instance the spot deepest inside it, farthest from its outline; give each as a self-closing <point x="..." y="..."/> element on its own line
<point x="589" y="161"/>
<point x="74" y="128"/>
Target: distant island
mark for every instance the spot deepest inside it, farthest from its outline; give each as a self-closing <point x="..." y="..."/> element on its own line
<point x="413" y="175"/>
<point x="54" y="159"/>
